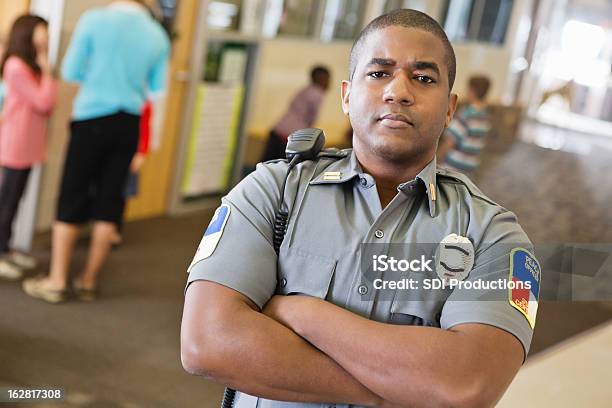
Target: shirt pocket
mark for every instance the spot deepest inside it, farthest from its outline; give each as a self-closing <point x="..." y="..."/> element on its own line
<point x="304" y="273"/>
<point x="416" y="312"/>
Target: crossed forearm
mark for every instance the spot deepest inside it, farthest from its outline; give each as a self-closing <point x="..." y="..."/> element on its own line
<point x="227" y="340"/>
<point x="271" y="361"/>
<point x="469" y="365"/>
<point x="385" y="364"/>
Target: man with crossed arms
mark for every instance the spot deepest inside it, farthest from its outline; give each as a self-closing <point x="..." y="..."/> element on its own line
<point x="295" y="330"/>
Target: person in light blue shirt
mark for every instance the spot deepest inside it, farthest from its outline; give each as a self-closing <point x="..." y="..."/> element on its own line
<point x="118" y="55"/>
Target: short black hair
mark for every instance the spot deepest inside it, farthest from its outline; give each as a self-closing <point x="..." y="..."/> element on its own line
<point x="317" y="72"/>
<point x="410" y="19"/>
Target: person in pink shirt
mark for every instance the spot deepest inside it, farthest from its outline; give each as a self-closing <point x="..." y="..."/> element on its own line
<point x="30" y="97"/>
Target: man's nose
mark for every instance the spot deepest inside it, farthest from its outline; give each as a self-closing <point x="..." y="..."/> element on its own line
<point x="398" y="90"/>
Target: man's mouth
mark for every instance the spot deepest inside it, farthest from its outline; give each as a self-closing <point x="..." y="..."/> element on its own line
<point x="395" y="120"/>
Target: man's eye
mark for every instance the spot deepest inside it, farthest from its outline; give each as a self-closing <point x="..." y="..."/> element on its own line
<point x="377" y="74"/>
<point x="425" y="79"/>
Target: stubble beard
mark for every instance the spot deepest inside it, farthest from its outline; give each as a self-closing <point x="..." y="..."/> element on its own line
<point x="409" y="152"/>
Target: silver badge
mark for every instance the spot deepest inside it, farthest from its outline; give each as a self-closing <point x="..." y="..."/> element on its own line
<point x="454" y="258"/>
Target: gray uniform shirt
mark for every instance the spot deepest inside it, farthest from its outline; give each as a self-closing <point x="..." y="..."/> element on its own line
<point x="335" y="211"/>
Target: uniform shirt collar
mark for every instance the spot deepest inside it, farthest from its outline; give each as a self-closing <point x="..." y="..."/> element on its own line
<point x="349" y="168"/>
<point x="427" y="176"/>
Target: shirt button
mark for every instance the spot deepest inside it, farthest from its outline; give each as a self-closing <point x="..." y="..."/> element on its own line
<point x="283" y="283"/>
<point x="379" y="234"/>
<point x="362" y="289"/>
<point x="363" y="182"/>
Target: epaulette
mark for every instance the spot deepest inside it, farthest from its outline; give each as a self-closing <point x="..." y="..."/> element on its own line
<point x="275" y="161"/>
<point x="333" y="153"/>
<point x="452" y="176"/>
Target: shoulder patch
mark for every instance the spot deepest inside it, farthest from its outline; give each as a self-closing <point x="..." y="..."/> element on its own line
<point x="212" y="235"/>
<point x="525" y="273"/>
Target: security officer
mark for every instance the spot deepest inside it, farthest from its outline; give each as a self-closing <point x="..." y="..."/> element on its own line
<point x="308" y="328"/>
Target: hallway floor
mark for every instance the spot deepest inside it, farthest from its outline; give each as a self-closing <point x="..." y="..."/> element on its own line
<point x="119" y="351"/>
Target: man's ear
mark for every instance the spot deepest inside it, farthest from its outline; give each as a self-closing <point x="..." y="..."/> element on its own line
<point x="452" y="105"/>
<point x="345" y="91"/>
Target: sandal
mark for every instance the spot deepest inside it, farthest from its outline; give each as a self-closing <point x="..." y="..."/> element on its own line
<point x="39" y="288"/>
<point x="86" y="295"/>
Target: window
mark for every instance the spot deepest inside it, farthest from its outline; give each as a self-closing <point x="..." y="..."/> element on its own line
<point x="292" y="17"/>
<point x="477" y="20"/>
<point x="223" y="15"/>
<point x="419" y="5"/>
<point x="329" y="19"/>
<point x="342" y="19"/>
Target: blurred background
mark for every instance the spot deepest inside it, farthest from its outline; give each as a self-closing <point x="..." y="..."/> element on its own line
<point x="235" y="66"/>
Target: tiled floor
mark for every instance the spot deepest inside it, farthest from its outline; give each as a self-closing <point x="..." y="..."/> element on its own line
<point x="560" y="193"/>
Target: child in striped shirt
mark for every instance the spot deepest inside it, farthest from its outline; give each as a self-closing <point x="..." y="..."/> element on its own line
<point x="464" y="138"/>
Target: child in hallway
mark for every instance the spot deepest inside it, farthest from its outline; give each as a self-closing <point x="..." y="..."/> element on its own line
<point x="30" y="97"/>
<point x="463" y="140"/>
<point x="301" y="113"/>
